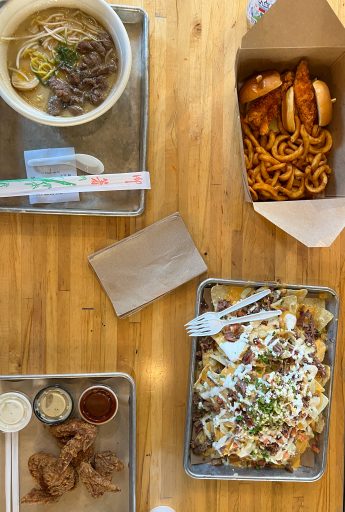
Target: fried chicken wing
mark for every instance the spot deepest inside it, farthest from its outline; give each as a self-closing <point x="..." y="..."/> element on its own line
<point x="59" y="482"/>
<point x="36" y="463"/>
<point x="95" y="483"/>
<point x="57" y="475"/>
<point x="83" y="457"/>
<point x="305" y="96"/>
<point x="38" y="497"/>
<point x="105" y="463"/>
<point x="80" y="435"/>
<point x="53" y="483"/>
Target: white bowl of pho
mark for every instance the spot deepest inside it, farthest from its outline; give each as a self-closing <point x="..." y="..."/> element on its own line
<point x="62" y="65"/>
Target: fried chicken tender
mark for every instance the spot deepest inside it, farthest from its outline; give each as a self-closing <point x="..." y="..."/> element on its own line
<point x="78" y="436"/>
<point x="105" y="463"/>
<point x="263" y="110"/>
<point x="305" y="96"/>
<point x="96" y="484"/>
<point x="38" y="497"/>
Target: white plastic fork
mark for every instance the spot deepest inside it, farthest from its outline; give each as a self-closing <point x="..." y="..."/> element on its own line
<point x="210" y="327"/>
<point x="213" y="315"/>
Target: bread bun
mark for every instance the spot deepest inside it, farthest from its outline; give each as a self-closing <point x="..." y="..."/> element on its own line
<point x="259" y="85"/>
<point x="288" y="111"/>
<point x="323" y="101"/>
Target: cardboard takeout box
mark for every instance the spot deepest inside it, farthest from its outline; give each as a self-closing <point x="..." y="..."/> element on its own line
<point x="293" y="29"/>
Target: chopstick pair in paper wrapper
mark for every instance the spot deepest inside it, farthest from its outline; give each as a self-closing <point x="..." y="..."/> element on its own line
<point x="104" y="182"/>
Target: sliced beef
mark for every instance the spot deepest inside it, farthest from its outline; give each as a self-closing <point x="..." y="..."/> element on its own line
<point x="207" y="344"/>
<point x="278" y="349"/>
<point x="321" y="370"/>
<point x="87" y="82"/>
<point x="248" y="356"/>
<point x="101" y="70"/>
<point x="55" y="106"/>
<point x="273" y="448"/>
<point x="61" y="89"/>
<point x="84" y="47"/>
<point x="306" y="322"/>
<point x="95" y="97"/>
<point x="76" y="110"/>
<point x="100" y="46"/>
<point x="73" y="76"/>
<point x="98" y="82"/>
<point x="92" y="59"/>
<point x="241" y="387"/>
<point x="106" y="41"/>
<point x="223" y="304"/>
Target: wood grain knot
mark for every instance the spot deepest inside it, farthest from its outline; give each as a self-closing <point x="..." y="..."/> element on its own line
<point x="197" y="29"/>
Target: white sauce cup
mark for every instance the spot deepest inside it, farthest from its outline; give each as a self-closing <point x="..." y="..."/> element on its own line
<point x="15" y="411"/>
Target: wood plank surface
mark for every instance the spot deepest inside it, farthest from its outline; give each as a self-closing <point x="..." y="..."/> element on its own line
<point x="56" y="318"/>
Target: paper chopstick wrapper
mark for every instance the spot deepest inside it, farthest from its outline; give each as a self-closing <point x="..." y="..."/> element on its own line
<point x="147" y="265"/>
<point x="104" y="182"/>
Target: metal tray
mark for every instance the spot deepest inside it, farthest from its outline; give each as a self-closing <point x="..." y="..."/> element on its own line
<point x="118" y="435"/>
<point x="302" y="474"/>
<point x="118" y="138"/>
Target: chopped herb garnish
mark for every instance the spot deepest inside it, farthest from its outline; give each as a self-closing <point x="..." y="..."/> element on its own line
<point x="255" y="430"/>
<point x="66" y="55"/>
<point x="239" y="418"/>
<point x="263" y="358"/>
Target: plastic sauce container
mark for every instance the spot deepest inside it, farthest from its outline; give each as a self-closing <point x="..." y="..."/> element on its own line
<point x="98" y="405"/>
<point x="15" y="411"/>
<point x="53" y="405"/>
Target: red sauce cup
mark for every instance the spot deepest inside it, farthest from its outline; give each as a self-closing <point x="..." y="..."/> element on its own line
<point x="98" y="404"/>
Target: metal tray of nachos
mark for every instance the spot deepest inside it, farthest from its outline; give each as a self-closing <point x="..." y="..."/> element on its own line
<point x="312" y="464"/>
<point x="119" y="435"/>
<point x="118" y="138"/>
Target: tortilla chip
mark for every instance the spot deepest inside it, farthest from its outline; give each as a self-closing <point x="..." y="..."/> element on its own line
<point x="323" y="403"/>
<point x="321" y="316"/>
<point x="316" y="388"/>
<point x="319" y="424"/>
<point x="314" y="301"/>
<point x="230" y="293"/>
<point x="300" y="294"/>
<point x="320" y="349"/>
<point x="323" y="380"/>
<point x="219" y="292"/>
<point x="203" y="378"/>
<point x="288" y="303"/>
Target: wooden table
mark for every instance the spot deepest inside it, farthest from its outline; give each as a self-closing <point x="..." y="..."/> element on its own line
<point x="56" y="318"/>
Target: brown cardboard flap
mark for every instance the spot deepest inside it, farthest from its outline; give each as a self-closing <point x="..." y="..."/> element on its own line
<point x="296" y="23"/>
<point x="315" y="223"/>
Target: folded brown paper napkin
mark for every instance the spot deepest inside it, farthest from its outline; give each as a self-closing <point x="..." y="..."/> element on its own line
<point x="147" y="265"/>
